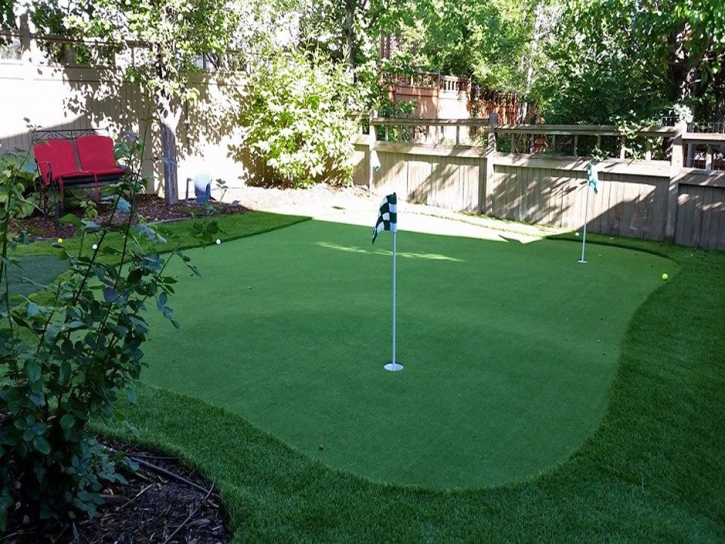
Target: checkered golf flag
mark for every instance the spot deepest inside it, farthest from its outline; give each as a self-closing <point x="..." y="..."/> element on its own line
<point x="592" y="177"/>
<point x="388" y="218"/>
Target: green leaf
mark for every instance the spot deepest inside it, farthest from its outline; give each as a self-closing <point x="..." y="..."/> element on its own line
<point x="41" y="445"/>
<point x="67" y="422"/>
<point x="33" y="371"/>
<point x="71" y="219"/>
<point x="132" y="396"/>
<point x="39" y="428"/>
<point x="65" y="372"/>
<point x="110" y="294"/>
<point x="33" y="309"/>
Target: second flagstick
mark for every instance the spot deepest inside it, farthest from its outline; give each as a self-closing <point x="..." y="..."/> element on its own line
<point x="388" y="220"/>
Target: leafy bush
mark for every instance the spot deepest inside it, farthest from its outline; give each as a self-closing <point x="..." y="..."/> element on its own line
<point x="24" y="172"/>
<point x="68" y="351"/>
<point x="297" y="120"/>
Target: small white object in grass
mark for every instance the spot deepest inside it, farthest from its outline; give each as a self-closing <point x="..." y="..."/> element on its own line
<point x="95" y="247"/>
<point x="218" y="241"/>
<point x="577" y="234"/>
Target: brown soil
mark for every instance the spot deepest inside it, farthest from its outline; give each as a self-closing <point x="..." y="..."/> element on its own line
<point x="162" y="502"/>
<point x="153" y="208"/>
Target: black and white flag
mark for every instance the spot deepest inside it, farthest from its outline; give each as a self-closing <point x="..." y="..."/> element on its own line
<point x="388" y="217"/>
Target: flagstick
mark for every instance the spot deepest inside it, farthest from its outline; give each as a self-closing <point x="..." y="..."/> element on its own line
<point x="584" y="234"/>
<point x="395" y="236"/>
<point x="393" y="365"/>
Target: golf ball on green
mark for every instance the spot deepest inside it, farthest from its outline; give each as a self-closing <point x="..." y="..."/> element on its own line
<point x="665" y="277"/>
<point x="218" y="241"/>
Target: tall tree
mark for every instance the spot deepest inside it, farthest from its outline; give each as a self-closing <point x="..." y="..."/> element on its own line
<point x="495" y="41"/>
<point x="174" y="34"/>
<point x="636" y="58"/>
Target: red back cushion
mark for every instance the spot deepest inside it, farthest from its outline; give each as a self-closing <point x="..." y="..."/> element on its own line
<point x="95" y="152"/>
<point x="58" y="154"/>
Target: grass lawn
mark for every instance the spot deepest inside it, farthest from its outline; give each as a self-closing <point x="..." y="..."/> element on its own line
<point x="509" y="349"/>
<point x="652" y="469"/>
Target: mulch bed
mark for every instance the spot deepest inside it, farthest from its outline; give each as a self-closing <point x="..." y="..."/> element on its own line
<point x="48" y="227"/>
<point x="163" y="502"/>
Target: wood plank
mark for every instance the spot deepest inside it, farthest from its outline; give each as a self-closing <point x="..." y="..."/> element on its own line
<point x="682" y="199"/>
<point x="721" y="222"/>
<point x="437" y="150"/>
<point x="688" y="215"/>
<point x="585" y="130"/>
<point x="614" y="166"/>
<point x="697" y="211"/>
<point x="705" y="213"/>
<point x="659" y="217"/>
<point x="692" y="176"/>
<point x="606" y="194"/>
<point x="717" y="211"/>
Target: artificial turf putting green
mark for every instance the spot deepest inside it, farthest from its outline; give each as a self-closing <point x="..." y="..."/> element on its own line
<point x="508" y="349"/>
<point x="38" y="269"/>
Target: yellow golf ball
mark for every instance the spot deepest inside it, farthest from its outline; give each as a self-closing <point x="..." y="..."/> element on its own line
<point x="60" y="240"/>
<point x="665" y="277"/>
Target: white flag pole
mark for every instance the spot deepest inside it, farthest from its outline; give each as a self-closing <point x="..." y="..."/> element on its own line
<point x="395" y="236"/>
<point x="393" y="364"/>
<point x="584" y="234"/>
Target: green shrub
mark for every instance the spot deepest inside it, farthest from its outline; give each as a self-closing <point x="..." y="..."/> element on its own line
<point x="297" y="120"/>
<point x="68" y="351"/>
<point x="24" y="173"/>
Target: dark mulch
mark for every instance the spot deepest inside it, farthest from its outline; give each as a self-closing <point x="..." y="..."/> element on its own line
<point x="151" y="207"/>
<point x="163" y="502"/>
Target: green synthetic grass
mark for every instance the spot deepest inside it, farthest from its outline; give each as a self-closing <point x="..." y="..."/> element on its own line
<point x="509" y="349"/>
<point x="177" y="233"/>
<point x="33" y="272"/>
<point x="654" y="470"/>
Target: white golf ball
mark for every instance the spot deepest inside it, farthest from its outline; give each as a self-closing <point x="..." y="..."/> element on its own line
<point x="218" y="241"/>
<point x="95" y="247"/>
<point x="577" y="234"/>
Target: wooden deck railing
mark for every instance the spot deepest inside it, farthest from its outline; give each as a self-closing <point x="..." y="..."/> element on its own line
<point x="702" y="150"/>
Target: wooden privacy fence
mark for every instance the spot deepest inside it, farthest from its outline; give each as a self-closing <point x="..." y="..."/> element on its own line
<point x="654" y="196"/>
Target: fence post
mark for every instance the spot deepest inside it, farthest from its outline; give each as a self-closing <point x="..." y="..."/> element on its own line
<point x="676" y="164"/>
<point x="485" y="204"/>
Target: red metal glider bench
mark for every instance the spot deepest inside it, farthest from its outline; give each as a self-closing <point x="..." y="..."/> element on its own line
<point x="75" y="159"/>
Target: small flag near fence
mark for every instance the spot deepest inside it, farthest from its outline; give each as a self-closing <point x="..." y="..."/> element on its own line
<point x="388" y="220"/>
<point x="388" y="217"/>
<point x="592" y="180"/>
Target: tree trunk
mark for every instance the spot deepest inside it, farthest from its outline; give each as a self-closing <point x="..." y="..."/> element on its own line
<point x="171" y="172"/>
<point x="348" y="31"/>
<point x="169" y="117"/>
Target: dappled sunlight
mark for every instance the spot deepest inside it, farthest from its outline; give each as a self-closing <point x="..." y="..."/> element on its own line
<point x="404" y="254"/>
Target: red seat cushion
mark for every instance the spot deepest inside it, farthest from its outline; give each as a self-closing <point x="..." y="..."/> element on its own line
<point x="95" y="153"/>
<point x="55" y="157"/>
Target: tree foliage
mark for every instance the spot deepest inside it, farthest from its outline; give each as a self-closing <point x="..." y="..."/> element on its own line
<point x="173" y="36"/>
<point x="635" y="59"/>
<point x="298" y="120"/>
